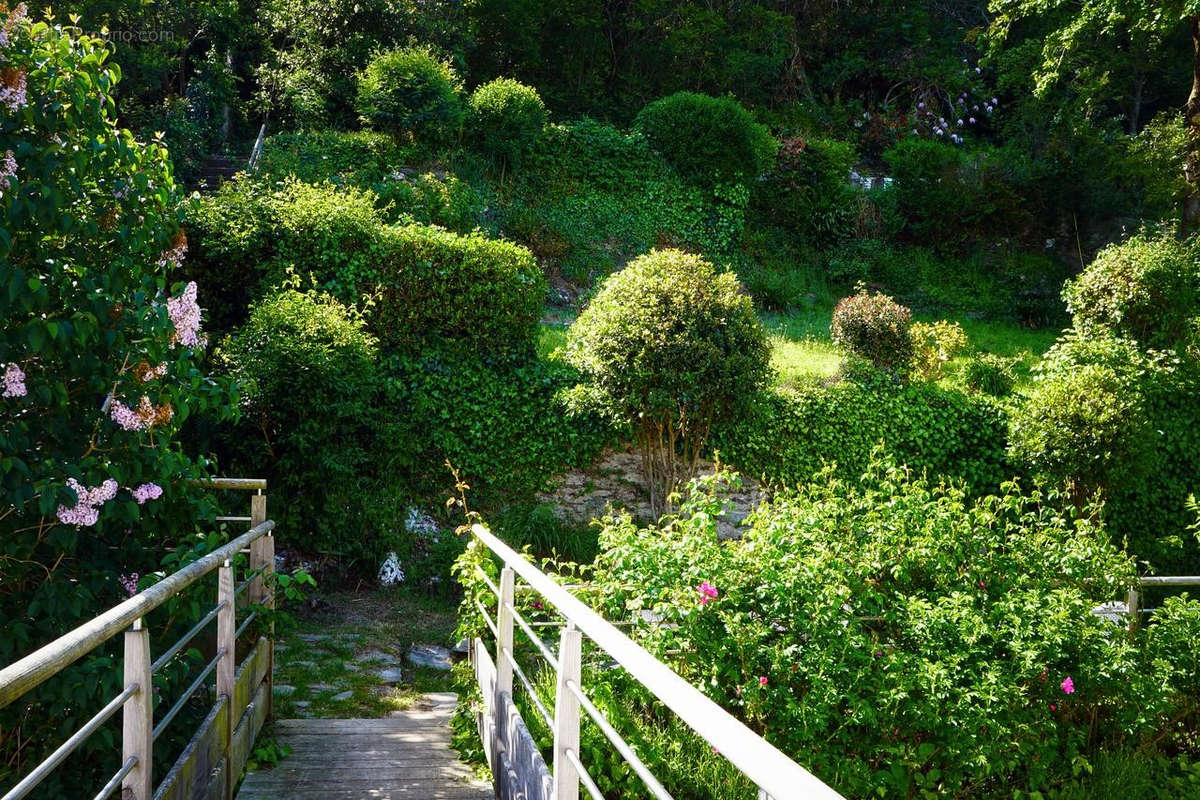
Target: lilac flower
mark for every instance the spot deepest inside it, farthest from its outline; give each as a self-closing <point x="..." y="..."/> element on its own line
<point x="86" y="511"/>
<point x="130" y="583"/>
<point x="12" y="88"/>
<point x="185" y="315"/>
<point x="978" y="70"/>
<point x="921" y="105"/>
<point x="1068" y="685"/>
<point x="147" y="491"/>
<point x="971" y="120"/>
<point x="14" y="382"/>
<point x="960" y="123"/>
<point x="938" y="131"/>
<point x="14" y="18"/>
<point x="128" y="418"/>
<point x="8" y="170"/>
<point x="914" y="131"/>
<point x="995" y="102"/>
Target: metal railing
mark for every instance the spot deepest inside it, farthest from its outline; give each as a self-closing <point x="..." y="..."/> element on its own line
<point x="136" y="701"/>
<point x="776" y="776"/>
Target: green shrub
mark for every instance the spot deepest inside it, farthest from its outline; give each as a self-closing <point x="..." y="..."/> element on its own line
<point x="672" y="348"/>
<point x="793" y="433"/>
<point x="950" y="196"/>
<point x="874" y="327"/>
<point x="1147" y="289"/>
<point x="1086" y="425"/>
<point x="593" y="197"/>
<point x="507" y="430"/>
<point x="808" y="189"/>
<point x="708" y="140"/>
<point x="930" y="636"/>
<point x="440" y="288"/>
<point x="934" y="344"/>
<point x="358" y="158"/>
<point x="310" y="380"/>
<point x="990" y="374"/>
<point x="411" y="93"/>
<point x="505" y="120"/>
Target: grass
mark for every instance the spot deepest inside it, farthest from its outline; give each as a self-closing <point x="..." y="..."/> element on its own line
<point x="344" y="647"/>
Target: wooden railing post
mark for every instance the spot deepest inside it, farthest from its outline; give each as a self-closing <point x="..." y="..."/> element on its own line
<point x="566" y="713"/>
<point x="138" y="716"/>
<point x="1133" y="608"/>
<point x="226" y="647"/>
<point x="260" y="591"/>
<point x="504" y="628"/>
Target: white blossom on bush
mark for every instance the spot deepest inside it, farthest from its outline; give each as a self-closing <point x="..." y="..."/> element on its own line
<point x="390" y="572"/>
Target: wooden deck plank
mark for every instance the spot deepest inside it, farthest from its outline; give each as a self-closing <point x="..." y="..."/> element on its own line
<point x="403" y="757"/>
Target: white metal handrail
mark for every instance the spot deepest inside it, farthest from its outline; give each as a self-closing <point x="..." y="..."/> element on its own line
<point x="776" y="775"/>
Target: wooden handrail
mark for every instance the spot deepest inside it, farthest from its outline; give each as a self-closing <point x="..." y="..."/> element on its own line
<point x="776" y="775"/>
<point x="19" y="677"/>
<point x="244" y="484"/>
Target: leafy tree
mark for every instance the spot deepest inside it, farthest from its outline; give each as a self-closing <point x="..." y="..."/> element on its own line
<point x="1080" y="46"/>
<point x="100" y="366"/>
<point x="670" y="347"/>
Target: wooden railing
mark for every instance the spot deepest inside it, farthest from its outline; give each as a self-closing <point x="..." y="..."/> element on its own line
<point x="1133" y="602"/>
<point x="212" y="761"/>
<point x="517" y="765"/>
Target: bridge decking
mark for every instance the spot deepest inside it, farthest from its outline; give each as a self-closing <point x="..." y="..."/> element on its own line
<point x="403" y="757"/>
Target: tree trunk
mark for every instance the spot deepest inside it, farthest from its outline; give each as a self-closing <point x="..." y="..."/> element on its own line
<point x="1191" y="166"/>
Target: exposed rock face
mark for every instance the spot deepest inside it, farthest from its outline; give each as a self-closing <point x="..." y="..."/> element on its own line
<point x="615" y="480"/>
<point x="429" y="655"/>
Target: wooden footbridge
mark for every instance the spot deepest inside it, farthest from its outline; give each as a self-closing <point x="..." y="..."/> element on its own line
<point x="403" y="757"/>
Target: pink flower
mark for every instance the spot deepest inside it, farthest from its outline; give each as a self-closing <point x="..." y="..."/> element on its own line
<point x="130" y="583"/>
<point x="12" y="88"/>
<point x="8" y="169"/>
<point x="147" y="491"/>
<point x="86" y="511"/>
<point x="14" y="382"/>
<point x="1053" y="707"/>
<point x="185" y="316"/>
<point x="762" y="680"/>
<point x="1068" y="685"/>
<point x="708" y="592"/>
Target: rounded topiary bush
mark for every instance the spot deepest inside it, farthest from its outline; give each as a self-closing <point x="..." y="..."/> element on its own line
<point x="411" y="92"/>
<point x="1147" y="288"/>
<point x="505" y="120"/>
<point x="309" y="376"/>
<point x="708" y="140"/>
<point x="875" y="327"/>
<point x="1086" y="425"/>
<point x="670" y="347"/>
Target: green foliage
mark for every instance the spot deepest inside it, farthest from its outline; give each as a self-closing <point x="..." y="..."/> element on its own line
<point x="934" y="344"/>
<point x="358" y="158"/>
<point x="94" y="328"/>
<point x="1146" y="288"/>
<point x="950" y="196"/>
<point x="708" y="140"/>
<point x="672" y="348"/>
<point x="928" y="634"/>
<point x="507" y="431"/>
<point x="1084" y="425"/>
<point x="310" y="376"/>
<point x="411" y="93"/>
<point x="592" y="197"/>
<point x="793" y="433"/>
<point x="874" y="327"/>
<point x="990" y="374"/>
<point x="808" y="190"/>
<point x="505" y="119"/>
<point x="430" y="285"/>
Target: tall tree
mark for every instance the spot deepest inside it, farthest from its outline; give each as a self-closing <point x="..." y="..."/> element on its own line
<point x="1117" y="34"/>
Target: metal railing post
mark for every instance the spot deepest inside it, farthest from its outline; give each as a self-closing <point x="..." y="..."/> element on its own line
<point x="138" y="716"/>
<point x="226" y="647"/>
<point x="566" y="713"/>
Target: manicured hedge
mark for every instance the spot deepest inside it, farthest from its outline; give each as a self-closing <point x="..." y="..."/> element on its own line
<point x="794" y="432"/>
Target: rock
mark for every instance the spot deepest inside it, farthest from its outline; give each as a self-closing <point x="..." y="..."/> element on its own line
<point x="302" y="704"/>
<point x="390" y="675"/>
<point x="342" y="696"/>
<point x="312" y="637"/>
<point x="322" y="687"/>
<point x="460" y="651"/>
<point x="429" y="655"/>
<point x="378" y="655"/>
<point x="282" y="690"/>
